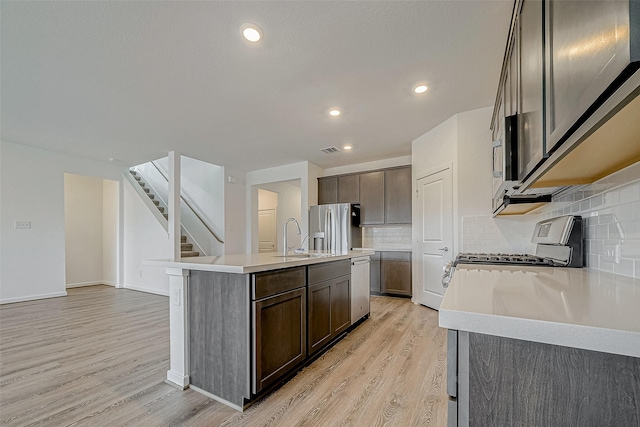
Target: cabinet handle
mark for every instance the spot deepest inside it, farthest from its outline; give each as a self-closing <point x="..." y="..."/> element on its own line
<point x="446" y="249"/>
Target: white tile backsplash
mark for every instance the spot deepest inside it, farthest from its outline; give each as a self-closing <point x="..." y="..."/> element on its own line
<point x="496" y="235"/>
<point x="387" y="237"/>
<point x="610" y="208"/>
<point x="611" y="211"/>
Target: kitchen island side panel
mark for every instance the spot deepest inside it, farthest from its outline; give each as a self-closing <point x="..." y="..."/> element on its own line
<point x="219" y="331"/>
<point x="521" y="383"/>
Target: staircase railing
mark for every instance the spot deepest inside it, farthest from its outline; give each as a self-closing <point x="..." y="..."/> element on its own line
<point x="213" y="233"/>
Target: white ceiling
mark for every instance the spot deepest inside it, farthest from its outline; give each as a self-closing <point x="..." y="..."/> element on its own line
<point x="134" y="80"/>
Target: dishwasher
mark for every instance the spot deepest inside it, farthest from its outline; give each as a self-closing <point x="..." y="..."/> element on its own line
<point x="359" y="288"/>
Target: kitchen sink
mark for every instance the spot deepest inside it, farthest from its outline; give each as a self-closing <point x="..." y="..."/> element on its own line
<point x="302" y="256"/>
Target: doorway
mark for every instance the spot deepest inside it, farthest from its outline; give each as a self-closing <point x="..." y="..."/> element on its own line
<point x="91" y="211"/>
<point x="434" y="229"/>
<point x="267" y="220"/>
<point x="285" y="199"/>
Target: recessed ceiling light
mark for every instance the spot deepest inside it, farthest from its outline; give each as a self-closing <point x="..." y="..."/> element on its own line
<point x="251" y="32"/>
<point x="334" y="113"/>
<point x="347" y="147"/>
<point x="420" y="89"/>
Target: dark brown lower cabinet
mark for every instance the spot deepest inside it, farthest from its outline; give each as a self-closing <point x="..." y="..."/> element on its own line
<point x="510" y="382"/>
<point x="395" y="273"/>
<point x="280" y="335"/>
<point x="329" y="311"/>
<point x="279" y="310"/>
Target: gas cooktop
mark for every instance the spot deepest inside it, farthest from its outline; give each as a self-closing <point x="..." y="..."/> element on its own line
<point x="520" y="259"/>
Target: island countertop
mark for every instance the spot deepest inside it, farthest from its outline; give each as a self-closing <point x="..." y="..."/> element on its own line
<point x="572" y="307"/>
<point x="253" y="263"/>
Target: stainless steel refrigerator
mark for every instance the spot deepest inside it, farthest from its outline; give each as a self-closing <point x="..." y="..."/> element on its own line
<point x="334" y="228"/>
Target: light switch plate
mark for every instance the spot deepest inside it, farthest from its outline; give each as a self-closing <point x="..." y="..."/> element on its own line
<point x="22" y="225"/>
<point x="175" y="297"/>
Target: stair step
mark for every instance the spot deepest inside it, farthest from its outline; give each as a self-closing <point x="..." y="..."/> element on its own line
<point x="161" y="209"/>
<point x="152" y="196"/>
<point x="186" y="247"/>
<point x="183" y="239"/>
<point x="146" y="190"/>
<point x="156" y="202"/>
<point x="138" y="178"/>
<point x="186" y="254"/>
<point x="133" y="172"/>
<point x="166" y="216"/>
<point x="142" y="184"/>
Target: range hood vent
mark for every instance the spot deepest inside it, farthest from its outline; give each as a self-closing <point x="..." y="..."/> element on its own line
<point x="330" y="150"/>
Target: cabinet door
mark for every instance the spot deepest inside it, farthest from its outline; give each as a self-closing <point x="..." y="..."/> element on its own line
<point x="280" y="336"/>
<point x="372" y="198"/>
<point x="319" y="304"/>
<point x="395" y="272"/>
<point x="349" y="189"/>
<point x="327" y="191"/>
<point x="397" y="192"/>
<point x="531" y="133"/>
<point x="587" y="45"/>
<point x="329" y="304"/>
<point x="340" y="305"/>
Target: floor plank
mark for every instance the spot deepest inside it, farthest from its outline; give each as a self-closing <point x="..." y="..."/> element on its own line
<point x="99" y="357"/>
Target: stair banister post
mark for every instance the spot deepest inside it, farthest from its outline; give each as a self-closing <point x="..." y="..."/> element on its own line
<point x="174" y="203"/>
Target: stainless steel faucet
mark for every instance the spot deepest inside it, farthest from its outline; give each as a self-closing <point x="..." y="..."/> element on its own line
<point x="285" y="243"/>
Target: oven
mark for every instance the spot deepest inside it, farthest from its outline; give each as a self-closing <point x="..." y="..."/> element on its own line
<point x="559" y="243"/>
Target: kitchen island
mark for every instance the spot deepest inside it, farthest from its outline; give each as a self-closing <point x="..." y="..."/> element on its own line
<point x="542" y="346"/>
<point x="240" y="325"/>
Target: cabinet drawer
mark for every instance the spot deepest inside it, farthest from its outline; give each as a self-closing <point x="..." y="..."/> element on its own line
<point x="328" y="270"/>
<point x="278" y="281"/>
<point x="396" y="256"/>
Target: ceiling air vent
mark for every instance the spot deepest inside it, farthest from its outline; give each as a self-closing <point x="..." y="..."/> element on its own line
<point x="330" y="150"/>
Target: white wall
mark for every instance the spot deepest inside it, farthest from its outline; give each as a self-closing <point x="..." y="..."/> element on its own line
<point x="83" y="229"/>
<point x="474" y="162"/>
<point x="110" y="225"/>
<point x="32" y="186"/>
<point x="145" y="239"/>
<point x="235" y="211"/>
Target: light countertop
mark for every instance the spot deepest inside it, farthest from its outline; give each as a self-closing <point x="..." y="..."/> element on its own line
<point x="384" y="249"/>
<point x="252" y="263"/>
<point x="573" y="307"/>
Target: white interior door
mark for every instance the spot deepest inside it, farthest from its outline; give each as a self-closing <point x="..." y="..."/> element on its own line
<point x="267" y="238"/>
<point x="434" y="236"/>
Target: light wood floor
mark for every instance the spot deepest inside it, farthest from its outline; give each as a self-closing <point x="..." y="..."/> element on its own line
<point x="99" y="357"/>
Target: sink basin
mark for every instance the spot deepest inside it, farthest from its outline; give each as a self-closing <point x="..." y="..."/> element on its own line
<point x="293" y="256"/>
<point x="302" y="256"/>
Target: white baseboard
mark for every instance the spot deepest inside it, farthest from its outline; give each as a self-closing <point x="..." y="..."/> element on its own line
<point x="147" y="290"/>
<point x="105" y="282"/>
<point x="32" y="297"/>
<point x="83" y="284"/>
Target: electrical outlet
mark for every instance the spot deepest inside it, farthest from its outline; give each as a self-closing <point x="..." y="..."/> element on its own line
<point x="175" y="297"/>
<point x="22" y="225"/>
<point x="611" y="252"/>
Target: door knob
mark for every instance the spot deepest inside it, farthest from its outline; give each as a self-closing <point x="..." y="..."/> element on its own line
<point x="446" y="249"/>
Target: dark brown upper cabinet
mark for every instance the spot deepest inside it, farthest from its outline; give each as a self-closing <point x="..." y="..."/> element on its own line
<point x="349" y="189"/>
<point x="327" y="190"/>
<point x="372" y="198"/>
<point x="397" y="193"/>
